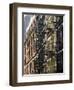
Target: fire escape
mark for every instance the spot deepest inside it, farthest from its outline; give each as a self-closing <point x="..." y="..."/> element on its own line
<point x="43" y="53"/>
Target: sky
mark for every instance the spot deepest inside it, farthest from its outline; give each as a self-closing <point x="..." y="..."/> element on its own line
<point x="26" y="21"/>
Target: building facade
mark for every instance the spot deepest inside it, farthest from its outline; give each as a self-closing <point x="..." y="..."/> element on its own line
<point x="43" y="46"/>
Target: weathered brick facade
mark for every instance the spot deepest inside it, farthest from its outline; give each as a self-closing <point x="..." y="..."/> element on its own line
<point x="42" y="45"/>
